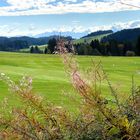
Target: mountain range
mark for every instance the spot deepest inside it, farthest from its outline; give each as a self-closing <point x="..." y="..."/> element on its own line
<point x="73" y="34"/>
<point x="126" y="35"/>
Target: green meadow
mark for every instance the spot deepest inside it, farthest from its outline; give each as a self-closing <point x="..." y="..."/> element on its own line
<point x="89" y="39"/>
<point x="27" y="50"/>
<point x="51" y="81"/>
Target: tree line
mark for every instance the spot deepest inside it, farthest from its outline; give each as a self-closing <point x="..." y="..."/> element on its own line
<point x="96" y="47"/>
<point x="48" y="49"/>
<point x="15" y="45"/>
<point x="110" y="48"/>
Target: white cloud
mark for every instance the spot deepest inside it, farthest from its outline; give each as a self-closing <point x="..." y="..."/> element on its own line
<point x="35" y="7"/>
<point x="32" y="30"/>
<point x="70" y="0"/>
<point x="80" y="29"/>
<point x="15" y="30"/>
<point x="117" y="26"/>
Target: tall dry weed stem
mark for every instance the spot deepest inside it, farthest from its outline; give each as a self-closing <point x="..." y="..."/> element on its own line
<point x="99" y="118"/>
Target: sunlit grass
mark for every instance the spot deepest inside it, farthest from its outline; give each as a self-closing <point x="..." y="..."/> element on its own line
<point x="51" y="81"/>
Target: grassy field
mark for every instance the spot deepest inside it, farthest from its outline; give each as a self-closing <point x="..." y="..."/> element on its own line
<point x="41" y="47"/>
<point x="50" y="79"/>
<point x="89" y="39"/>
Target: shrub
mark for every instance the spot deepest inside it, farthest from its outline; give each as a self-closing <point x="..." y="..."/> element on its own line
<point x="99" y="117"/>
<point x="130" y="53"/>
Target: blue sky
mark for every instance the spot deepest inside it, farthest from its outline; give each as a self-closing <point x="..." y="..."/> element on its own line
<point x="32" y="17"/>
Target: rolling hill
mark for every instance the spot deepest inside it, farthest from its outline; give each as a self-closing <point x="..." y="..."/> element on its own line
<point x="126" y="35"/>
<point x="92" y="36"/>
<point x="23" y="42"/>
<point x="32" y="40"/>
<point x="98" y="33"/>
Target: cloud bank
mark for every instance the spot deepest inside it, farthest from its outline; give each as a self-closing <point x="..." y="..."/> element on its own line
<point x="37" y="7"/>
<point x="32" y="30"/>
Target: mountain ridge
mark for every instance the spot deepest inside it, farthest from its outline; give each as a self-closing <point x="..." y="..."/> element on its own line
<point x="97" y="33"/>
<point x="124" y="35"/>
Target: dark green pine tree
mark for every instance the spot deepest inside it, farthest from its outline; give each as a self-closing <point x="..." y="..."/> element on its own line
<point x="51" y="45"/>
<point x="45" y="50"/>
<point x="32" y="49"/>
<point x="37" y="50"/>
<point x="138" y="46"/>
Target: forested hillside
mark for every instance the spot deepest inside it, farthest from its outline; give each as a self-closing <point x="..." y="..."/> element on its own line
<point x="122" y="43"/>
<point x="127" y="35"/>
<point x="98" y="33"/>
<point x="17" y="43"/>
